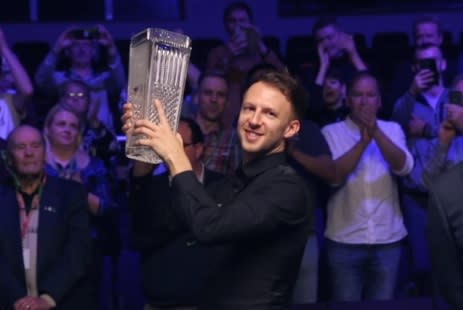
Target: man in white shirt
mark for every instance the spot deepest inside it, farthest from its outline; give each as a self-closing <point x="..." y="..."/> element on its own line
<point x="364" y="221"/>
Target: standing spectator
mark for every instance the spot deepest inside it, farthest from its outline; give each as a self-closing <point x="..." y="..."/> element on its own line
<point x="91" y="56"/>
<point x="364" y="224"/>
<point x="221" y="148"/>
<point x="420" y="111"/>
<point x="243" y="50"/>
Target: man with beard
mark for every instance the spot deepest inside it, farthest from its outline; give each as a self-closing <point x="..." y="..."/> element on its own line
<point x="44" y="235"/>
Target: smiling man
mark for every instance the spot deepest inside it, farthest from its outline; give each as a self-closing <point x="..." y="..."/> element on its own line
<point x="261" y="214"/>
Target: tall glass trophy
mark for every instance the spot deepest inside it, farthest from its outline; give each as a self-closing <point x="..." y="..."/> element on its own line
<point x="158" y="65"/>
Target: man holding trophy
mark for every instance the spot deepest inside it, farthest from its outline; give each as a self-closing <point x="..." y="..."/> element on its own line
<point x="260" y="215"/>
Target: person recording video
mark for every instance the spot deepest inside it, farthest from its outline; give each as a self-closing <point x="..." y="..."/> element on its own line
<point x="81" y="48"/>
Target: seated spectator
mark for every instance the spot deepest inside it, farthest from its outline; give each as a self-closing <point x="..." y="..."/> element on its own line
<point x="364" y="221"/>
<point x="66" y="158"/>
<point x="82" y="50"/>
<point x="97" y="140"/>
<point x="15" y="89"/>
<point x="243" y="50"/>
<point x="44" y="235"/>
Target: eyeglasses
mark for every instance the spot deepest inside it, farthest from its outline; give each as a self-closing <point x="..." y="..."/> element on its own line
<point x="76" y="95"/>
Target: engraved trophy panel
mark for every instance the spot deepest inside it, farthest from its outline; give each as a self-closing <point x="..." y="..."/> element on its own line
<point x="158" y="65"/>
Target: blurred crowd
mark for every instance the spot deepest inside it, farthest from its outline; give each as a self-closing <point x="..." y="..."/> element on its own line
<point x="368" y="240"/>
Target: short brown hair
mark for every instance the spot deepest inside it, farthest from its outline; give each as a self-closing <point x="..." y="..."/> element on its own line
<point x="288" y="86"/>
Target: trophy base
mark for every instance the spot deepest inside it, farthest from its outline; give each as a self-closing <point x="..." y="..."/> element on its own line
<point x="144" y="154"/>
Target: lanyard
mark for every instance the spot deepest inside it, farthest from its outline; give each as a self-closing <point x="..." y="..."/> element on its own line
<point x="24" y="217"/>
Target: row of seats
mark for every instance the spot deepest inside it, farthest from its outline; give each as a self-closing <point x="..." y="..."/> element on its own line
<point x="385" y="47"/>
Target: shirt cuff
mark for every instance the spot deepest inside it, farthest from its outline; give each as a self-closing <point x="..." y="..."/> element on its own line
<point x="49" y="300"/>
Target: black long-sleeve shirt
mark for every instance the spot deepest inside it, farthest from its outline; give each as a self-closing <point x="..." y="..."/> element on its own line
<point x="263" y="216"/>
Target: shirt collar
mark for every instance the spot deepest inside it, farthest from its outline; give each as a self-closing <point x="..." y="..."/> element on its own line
<point x="259" y="165"/>
<point x="351" y="125"/>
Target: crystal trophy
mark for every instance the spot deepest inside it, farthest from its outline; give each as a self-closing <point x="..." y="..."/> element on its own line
<point x="158" y="65"/>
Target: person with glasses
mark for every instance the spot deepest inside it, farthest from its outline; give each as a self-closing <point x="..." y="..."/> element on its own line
<point x="173" y="265"/>
<point x="97" y="139"/>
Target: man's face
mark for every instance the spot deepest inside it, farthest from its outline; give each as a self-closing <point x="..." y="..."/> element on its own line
<point x="192" y="150"/>
<point x="427" y="34"/>
<point x="266" y="119"/>
<point x="363" y="96"/>
<point x="211" y="98"/>
<point x="333" y="91"/>
<point x="328" y="39"/>
<point x="76" y="97"/>
<point x="236" y="18"/>
<point x="82" y="51"/>
<point x="64" y="129"/>
<point x="27" y="152"/>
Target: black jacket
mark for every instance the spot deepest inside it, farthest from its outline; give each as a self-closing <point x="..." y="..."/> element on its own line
<point x="63" y="246"/>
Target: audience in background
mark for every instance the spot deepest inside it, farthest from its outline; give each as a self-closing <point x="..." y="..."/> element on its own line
<point x="90" y="55"/>
<point x="336" y="50"/>
<point x="221" y="150"/>
<point x="45" y="235"/>
<point x="427" y="30"/>
<point x="244" y="49"/>
<point x="97" y="140"/>
<point x="66" y="158"/>
<point x="420" y="111"/>
<point x="15" y="89"/>
<point x="364" y="226"/>
<point x="447" y="148"/>
<point x="84" y="71"/>
<point x="332" y="107"/>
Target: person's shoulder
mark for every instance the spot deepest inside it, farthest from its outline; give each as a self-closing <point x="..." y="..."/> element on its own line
<point x="388" y="124"/>
<point x="333" y="127"/>
<point x="449" y="181"/>
<point x="63" y="184"/>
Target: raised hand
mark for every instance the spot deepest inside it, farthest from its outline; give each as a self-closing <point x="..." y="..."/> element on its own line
<point x="446" y="133"/>
<point x="422" y="81"/>
<point x="159" y="137"/>
<point x="64" y="40"/>
<point x="455" y="115"/>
